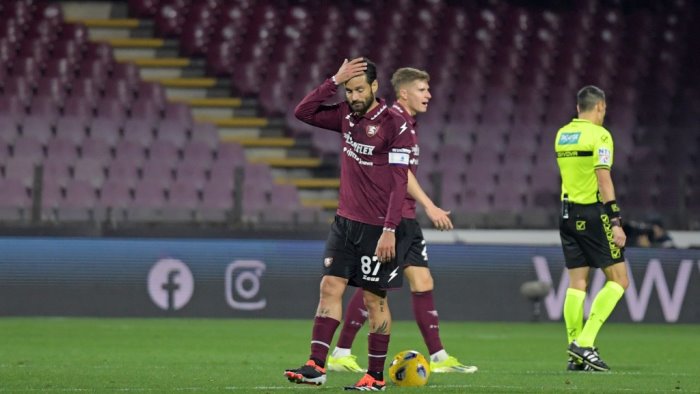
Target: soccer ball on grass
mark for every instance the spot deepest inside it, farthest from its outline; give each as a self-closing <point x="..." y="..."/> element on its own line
<point x="409" y="369"/>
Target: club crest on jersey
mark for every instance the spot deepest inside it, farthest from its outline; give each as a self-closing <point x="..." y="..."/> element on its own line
<point x="372" y="130"/>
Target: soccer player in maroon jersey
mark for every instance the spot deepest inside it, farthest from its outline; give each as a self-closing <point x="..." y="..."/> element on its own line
<point x="412" y="97"/>
<point x="361" y="247"/>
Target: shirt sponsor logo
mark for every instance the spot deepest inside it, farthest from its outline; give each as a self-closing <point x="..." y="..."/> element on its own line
<point x="604" y="156"/>
<point x="415" y="150"/>
<point x="357" y="158"/>
<point x="360" y="148"/>
<point x="569" y="138"/>
<point x="357" y="147"/>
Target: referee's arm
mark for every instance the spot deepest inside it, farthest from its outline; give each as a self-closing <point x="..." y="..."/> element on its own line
<point x="605" y="184"/>
<point x="607" y="194"/>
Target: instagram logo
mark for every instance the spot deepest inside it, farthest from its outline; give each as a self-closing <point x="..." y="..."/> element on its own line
<point x="243" y="285"/>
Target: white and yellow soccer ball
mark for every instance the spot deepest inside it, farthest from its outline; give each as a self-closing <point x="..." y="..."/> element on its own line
<point x="409" y="369"/>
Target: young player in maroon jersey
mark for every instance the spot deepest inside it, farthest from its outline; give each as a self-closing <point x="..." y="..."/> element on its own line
<point x="361" y="246"/>
<point x="412" y="97"/>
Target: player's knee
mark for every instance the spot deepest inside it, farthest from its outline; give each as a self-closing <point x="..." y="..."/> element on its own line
<point x="422" y="283"/>
<point x="331" y="288"/>
<point x="374" y="299"/>
<point x="419" y="279"/>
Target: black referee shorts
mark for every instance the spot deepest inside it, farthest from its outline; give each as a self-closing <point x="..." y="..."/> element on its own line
<point x="587" y="238"/>
<point x="350" y="254"/>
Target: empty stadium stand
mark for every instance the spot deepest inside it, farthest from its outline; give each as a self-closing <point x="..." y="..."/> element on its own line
<point x="141" y="110"/>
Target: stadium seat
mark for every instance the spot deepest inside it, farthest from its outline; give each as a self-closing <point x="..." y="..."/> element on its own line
<point x="163" y="151"/>
<point x="90" y="170"/>
<point x="230" y="155"/>
<point x="183" y="195"/>
<point x="125" y="170"/>
<point x="158" y="172"/>
<point x="206" y="133"/>
<point x="192" y="172"/>
<point x="61" y="148"/>
<point x="96" y="148"/>
<point x="114" y="198"/>
<point x="139" y="131"/>
<point x="198" y="153"/>
<point x="143" y="8"/>
<point x="126" y="150"/>
<point x="79" y="203"/>
<point x="14" y="201"/>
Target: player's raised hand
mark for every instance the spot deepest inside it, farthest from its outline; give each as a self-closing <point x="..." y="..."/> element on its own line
<point x="440" y="218"/>
<point x="350" y="69"/>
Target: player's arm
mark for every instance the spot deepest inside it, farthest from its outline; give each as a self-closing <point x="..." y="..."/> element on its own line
<point x="607" y="194"/>
<point x="436" y="214"/>
<point x="311" y="109"/>
<point x="398" y="158"/>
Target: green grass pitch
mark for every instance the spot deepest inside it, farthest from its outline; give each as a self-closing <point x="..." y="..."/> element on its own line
<point x="249" y="356"/>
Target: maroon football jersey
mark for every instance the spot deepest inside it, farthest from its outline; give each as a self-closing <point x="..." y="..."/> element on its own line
<point x="374" y="158"/>
<point x="409" y="205"/>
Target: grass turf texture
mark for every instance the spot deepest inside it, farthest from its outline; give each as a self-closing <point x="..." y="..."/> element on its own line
<point x="202" y="355"/>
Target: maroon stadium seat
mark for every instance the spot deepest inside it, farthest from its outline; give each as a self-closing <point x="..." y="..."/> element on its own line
<point x="157" y="171"/>
<point x="124" y="171"/>
<point x="90" y="170"/>
<point x="230" y="155"/>
<point x="95" y="148"/>
<point x="105" y="129"/>
<point x="21" y="168"/>
<point x="77" y="33"/>
<point x="206" y="133"/>
<point x="143" y="8"/>
<point x="193" y="172"/>
<point x="164" y="151"/>
<point x="139" y="131"/>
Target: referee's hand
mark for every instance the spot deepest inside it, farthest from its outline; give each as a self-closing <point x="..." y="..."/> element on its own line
<point x="619" y="236"/>
<point x="439" y="218"/>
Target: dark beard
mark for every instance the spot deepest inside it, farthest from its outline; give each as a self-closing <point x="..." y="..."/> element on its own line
<point x="365" y="106"/>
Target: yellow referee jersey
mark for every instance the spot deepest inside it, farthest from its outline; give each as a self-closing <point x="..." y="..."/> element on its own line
<point x="581" y="148"/>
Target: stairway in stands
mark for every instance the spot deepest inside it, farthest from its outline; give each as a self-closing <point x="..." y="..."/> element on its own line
<point x="184" y="79"/>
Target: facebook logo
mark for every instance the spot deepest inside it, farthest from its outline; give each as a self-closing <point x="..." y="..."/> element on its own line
<point x="170" y="284"/>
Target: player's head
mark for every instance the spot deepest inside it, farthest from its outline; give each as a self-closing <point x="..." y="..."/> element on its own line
<point x="360" y="91"/>
<point x="412" y="89"/>
<point x="590" y="103"/>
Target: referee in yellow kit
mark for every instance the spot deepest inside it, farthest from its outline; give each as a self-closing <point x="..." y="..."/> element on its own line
<point x="590" y="227"/>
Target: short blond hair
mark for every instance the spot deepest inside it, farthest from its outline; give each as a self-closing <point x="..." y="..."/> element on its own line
<point x="406" y="75"/>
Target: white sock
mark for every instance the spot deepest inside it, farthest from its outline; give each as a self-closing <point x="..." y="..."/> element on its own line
<point x="341" y="352"/>
<point x="438" y="356"/>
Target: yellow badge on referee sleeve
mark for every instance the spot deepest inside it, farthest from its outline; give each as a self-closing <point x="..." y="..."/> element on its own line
<point x="580" y="225"/>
